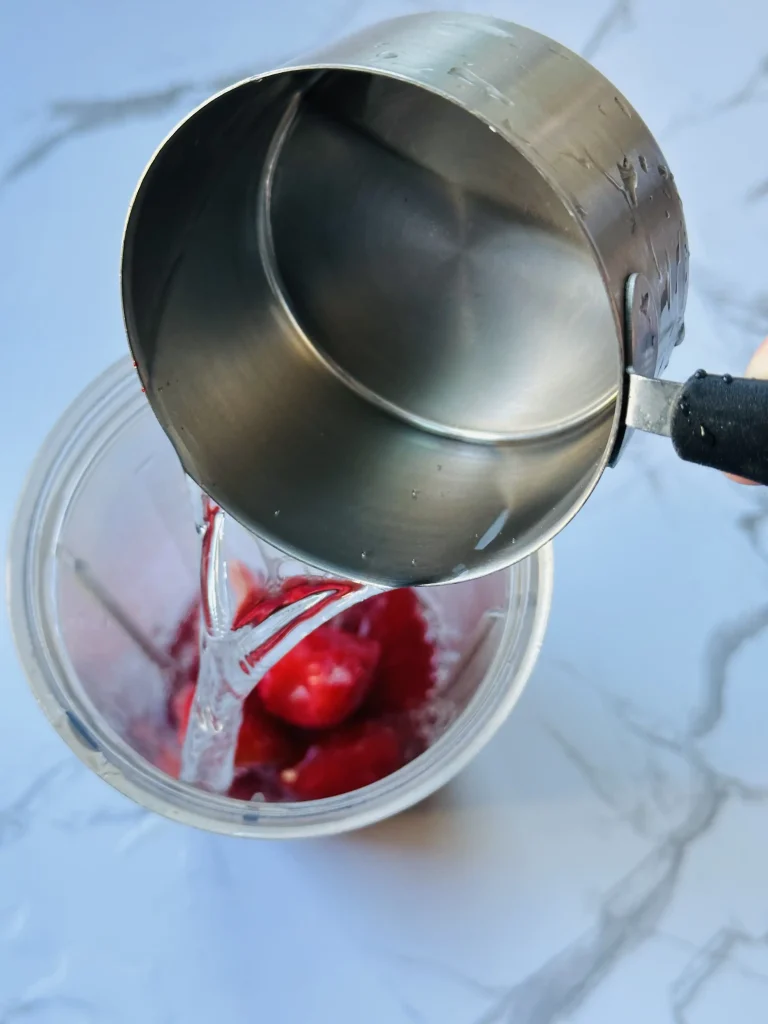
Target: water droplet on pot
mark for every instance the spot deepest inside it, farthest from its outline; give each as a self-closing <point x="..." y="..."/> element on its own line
<point x="707" y="436"/>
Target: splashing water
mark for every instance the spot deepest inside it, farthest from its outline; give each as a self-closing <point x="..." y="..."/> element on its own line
<point x="236" y="651"/>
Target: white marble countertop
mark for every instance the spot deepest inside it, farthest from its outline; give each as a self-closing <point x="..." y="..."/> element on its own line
<point x="605" y="858"/>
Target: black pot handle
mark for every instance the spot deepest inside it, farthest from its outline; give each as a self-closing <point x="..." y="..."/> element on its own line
<point x="722" y="422"/>
<point x="717" y="421"/>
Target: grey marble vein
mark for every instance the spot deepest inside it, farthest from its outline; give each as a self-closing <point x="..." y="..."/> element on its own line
<point x="599" y="784"/>
<point x="78" y="1011"/>
<point x="412" y="1013"/>
<point x="639" y="459"/>
<point x="17" y="818"/>
<point x="618" y="18"/>
<point x="72" y="118"/>
<point x="13" y="922"/>
<point x="723" y="647"/>
<point x="746" y="314"/>
<point x="659" y="787"/>
<point x="696" y="948"/>
<point x="628" y="917"/>
<point x="589" y="772"/>
<point x="22" y="814"/>
<point x="631" y="913"/>
<point x="717" y="953"/>
<point x="140" y="832"/>
<point x="660" y="783"/>
<point x="433" y="967"/>
<point x="758" y="192"/>
<point x="753" y="90"/>
<point x="103" y="817"/>
<point x="750" y="524"/>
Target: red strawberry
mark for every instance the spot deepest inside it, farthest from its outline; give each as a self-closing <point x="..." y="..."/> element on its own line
<point x="245" y="584"/>
<point x="168" y="761"/>
<point x="184" y="652"/>
<point x="181" y="708"/>
<point x="252" y="781"/>
<point x="263" y="740"/>
<point x="184" y="648"/>
<point x="322" y="681"/>
<point x="258" y="604"/>
<point x="254" y="600"/>
<point x="348" y="758"/>
<point x="406" y="672"/>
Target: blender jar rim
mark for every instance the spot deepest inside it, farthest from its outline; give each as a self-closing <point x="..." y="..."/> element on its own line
<point x="83" y="433"/>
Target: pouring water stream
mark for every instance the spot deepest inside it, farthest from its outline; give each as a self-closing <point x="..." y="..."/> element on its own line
<point x="234" y="659"/>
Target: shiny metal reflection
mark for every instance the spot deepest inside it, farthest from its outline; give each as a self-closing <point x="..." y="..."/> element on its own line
<point x="383" y="294"/>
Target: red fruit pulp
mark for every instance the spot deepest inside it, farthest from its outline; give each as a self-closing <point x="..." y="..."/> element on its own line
<point x="181" y="708"/>
<point x="263" y="741"/>
<point x="184" y="649"/>
<point x="346" y="759"/>
<point x="337" y="712"/>
<point x="322" y="681"/>
<point x="258" y="605"/>
<point x="405" y="674"/>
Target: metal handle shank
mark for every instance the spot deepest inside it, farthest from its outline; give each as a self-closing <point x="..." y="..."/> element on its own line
<point x="716" y="421"/>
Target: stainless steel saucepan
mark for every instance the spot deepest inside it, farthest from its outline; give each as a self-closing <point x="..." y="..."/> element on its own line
<point x="396" y="307"/>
